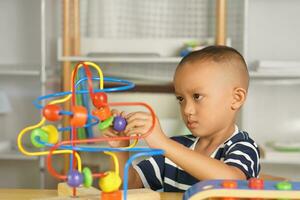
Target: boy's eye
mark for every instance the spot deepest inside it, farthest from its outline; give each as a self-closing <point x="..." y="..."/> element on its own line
<point x="197" y="96"/>
<point x="179" y="98"/>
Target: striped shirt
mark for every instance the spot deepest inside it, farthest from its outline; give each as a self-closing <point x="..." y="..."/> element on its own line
<point x="160" y="173"/>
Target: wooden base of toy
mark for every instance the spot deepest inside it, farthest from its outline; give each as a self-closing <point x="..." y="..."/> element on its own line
<point x="65" y="193"/>
<point x="245" y="194"/>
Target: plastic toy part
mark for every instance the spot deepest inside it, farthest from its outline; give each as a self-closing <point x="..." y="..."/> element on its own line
<point x="87" y="177"/>
<point x="229" y="184"/>
<point x="102" y="113"/>
<point x="107" y="123"/>
<point x="284" y="186"/>
<point x="256" y="183"/>
<point x="38" y="133"/>
<point x="79" y="117"/>
<point x="110" y="183"/>
<point x="117" y="195"/>
<point x="51" y="112"/>
<point x="52" y="133"/>
<point x="74" y="178"/>
<point x="100" y="99"/>
<point x="119" y="123"/>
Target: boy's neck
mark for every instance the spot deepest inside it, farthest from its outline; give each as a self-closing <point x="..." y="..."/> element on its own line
<point x="207" y="145"/>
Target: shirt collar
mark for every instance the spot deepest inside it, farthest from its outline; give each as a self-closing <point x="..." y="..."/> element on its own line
<point x="236" y="131"/>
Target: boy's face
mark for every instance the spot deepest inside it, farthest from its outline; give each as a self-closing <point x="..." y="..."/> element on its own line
<point x="205" y="96"/>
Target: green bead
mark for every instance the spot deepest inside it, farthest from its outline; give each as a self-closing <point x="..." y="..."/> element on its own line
<point x="284" y="186"/>
<point x="87" y="177"/>
<point x="38" y="132"/>
<point x="106" y="123"/>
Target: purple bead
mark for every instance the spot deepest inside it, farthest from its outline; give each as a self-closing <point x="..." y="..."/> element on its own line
<point x="119" y="123"/>
<point x="75" y="178"/>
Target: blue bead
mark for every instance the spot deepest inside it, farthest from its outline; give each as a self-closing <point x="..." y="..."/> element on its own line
<point x="75" y="178"/>
<point x="120" y="123"/>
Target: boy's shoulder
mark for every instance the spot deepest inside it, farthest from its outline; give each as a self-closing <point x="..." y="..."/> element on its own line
<point x="186" y="140"/>
<point x="241" y="136"/>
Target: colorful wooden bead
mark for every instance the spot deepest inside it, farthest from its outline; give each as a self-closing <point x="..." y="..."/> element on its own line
<point x="41" y="134"/>
<point x="99" y="99"/>
<point x="52" y="133"/>
<point x="256" y="183"/>
<point x="119" y="123"/>
<point x="110" y="183"/>
<point x="107" y="123"/>
<point x="102" y="113"/>
<point x="51" y="112"/>
<point x="284" y="185"/>
<point x="79" y="117"/>
<point x="229" y="184"/>
<point x="116" y="195"/>
<point x="87" y="177"/>
<point x="74" y="178"/>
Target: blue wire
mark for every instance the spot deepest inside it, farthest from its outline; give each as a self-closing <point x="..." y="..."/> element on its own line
<point x="129" y="86"/>
<point x="128" y="163"/>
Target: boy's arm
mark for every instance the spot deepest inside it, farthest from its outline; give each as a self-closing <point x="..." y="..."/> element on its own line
<point x="134" y="180"/>
<point x="199" y="166"/>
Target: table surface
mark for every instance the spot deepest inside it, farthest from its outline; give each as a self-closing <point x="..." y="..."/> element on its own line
<point x="28" y="194"/>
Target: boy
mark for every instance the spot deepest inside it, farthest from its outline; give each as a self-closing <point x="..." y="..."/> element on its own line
<point x="211" y="86"/>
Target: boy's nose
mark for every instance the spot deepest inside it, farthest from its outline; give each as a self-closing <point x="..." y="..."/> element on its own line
<point x="189" y="109"/>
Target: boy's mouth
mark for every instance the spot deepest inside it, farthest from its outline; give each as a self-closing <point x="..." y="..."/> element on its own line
<point x="192" y="124"/>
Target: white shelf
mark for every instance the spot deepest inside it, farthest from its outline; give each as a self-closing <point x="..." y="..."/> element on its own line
<point x="122" y="59"/>
<point x="19" y="70"/>
<point x="275" y="74"/>
<point x="15" y="155"/>
<point x="277" y="157"/>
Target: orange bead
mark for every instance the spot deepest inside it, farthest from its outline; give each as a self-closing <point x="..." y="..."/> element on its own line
<point x="79" y="117"/>
<point x="230" y="184"/>
<point x="117" y="195"/>
<point x="51" y="112"/>
<point x="102" y="113"/>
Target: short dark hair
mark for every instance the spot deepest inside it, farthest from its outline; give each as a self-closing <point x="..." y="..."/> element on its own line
<point x="216" y="53"/>
<point x="219" y="54"/>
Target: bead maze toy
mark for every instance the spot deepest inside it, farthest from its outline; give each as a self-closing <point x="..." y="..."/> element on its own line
<point x="45" y="135"/>
<point x="253" y="189"/>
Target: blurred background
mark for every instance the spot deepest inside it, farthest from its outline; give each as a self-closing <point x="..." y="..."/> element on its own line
<point x="142" y="41"/>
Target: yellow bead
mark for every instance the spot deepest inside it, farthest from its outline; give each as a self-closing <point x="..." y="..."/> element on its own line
<point x="52" y="133"/>
<point x="110" y="183"/>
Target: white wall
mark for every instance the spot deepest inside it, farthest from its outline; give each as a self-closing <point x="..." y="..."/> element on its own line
<point x="273" y="30"/>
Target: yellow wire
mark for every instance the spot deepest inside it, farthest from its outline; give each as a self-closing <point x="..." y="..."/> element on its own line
<point x="41" y="153"/>
<point x="19" y="140"/>
<point x="113" y="155"/>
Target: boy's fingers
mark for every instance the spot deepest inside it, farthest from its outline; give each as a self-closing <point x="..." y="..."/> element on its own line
<point x="137" y="131"/>
<point x="123" y="114"/>
<point x="138" y="115"/>
<point x="109" y="134"/>
<point x="115" y="112"/>
<point x="135" y="123"/>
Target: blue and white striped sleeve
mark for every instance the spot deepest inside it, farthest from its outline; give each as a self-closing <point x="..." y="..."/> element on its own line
<point x="151" y="172"/>
<point x="245" y="156"/>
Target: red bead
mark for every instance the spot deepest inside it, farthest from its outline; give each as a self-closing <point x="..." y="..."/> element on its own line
<point x="51" y="112"/>
<point x="99" y="99"/>
<point x="79" y="117"/>
<point x="256" y="183"/>
<point x="102" y="113"/>
<point x="229" y="184"/>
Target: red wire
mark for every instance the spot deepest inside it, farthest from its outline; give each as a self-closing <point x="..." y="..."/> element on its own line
<point x="53" y="172"/>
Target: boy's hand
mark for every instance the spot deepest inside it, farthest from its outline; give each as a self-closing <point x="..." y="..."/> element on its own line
<point x="139" y="123"/>
<point x="111" y="133"/>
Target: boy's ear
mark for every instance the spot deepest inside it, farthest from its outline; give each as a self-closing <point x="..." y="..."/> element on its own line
<point x="239" y="97"/>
